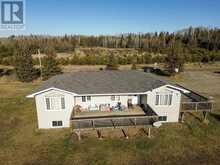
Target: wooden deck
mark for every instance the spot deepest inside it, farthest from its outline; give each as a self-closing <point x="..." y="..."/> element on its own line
<point x="113" y="121"/>
<point x="196" y="106"/>
<point x="131" y="111"/>
<point x="195" y="102"/>
<point x="145" y="118"/>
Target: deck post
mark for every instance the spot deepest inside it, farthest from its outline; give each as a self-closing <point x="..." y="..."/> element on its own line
<point x="113" y="124"/>
<point x="205" y="115"/>
<point x="78" y="133"/>
<point x="124" y="133"/>
<point x="149" y="132"/>
<point x="93" y="124"/>
<point x="99" y="134"/>
<point x="182" y="117"/>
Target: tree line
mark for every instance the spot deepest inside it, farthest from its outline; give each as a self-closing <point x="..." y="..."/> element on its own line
<point x="174" y="49"/>
<point x="191" y="38"/>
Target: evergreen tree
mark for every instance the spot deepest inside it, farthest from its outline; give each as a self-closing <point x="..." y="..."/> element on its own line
<point x="192" y="39"/>
<point x="50" y="65"/>
<point x="24" y="66"/>
<point x="175" y="60"/>
<point x="112" y="63"/>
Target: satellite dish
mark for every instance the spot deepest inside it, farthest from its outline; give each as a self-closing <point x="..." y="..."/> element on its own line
<point x="157" y="124"/>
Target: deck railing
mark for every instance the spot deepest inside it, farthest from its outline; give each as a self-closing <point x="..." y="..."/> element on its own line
<point x="113" y="121"/>
<point x="197" y="106"/>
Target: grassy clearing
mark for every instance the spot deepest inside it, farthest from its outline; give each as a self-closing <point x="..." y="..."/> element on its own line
<point x="193" y="142"/>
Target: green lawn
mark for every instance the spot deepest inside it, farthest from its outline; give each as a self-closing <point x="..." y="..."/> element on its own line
<point x="193" y="142"/>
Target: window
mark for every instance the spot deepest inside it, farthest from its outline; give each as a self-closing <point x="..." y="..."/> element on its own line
<point x="55" y="103"/>
<point x="162" y="118"/>
<point x="163" y="99"/>
<point x="83" y="98"/>
<point x="62" y="103"/>
<point x="57" y="123"/>
<point x="48" y="103"/>
<point x="166" y="99"/>
<point x="115" y="98"/>
<point x="157" y="99"/>
<point x="60" y="123"/>
<point x="88" y="98"/>
<point x="170" y="99"/>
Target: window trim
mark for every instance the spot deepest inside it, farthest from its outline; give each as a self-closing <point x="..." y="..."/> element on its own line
<point x="157" y="99"/>
<point x="117" y="98"/>
<point x="85" y="99"/>
<point x="88" y="100"/>
<point x="60" y="123"/>
<point x="57" y="123"/>
<point x="168" y="99"/>
<point x="47" y="100"/>
<point x="52" y="110"/>
<point x="162" y="118"/>
<point x="63" y="103"/>
<point x="112" y="97"/>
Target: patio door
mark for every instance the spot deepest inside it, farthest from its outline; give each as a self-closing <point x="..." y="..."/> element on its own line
<point x="143" y="99"/>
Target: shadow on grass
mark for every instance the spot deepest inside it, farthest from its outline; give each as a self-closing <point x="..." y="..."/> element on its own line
<point x="143" y="131"/>
<point x="197" y="130"/>
<point x="196" y="117"/>
<point x="197" y="125"/>
<point x="218" y="72"/>
<point x="216" y="116"/>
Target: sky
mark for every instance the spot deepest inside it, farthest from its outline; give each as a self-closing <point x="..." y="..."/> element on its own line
<point x="110" y="17"/>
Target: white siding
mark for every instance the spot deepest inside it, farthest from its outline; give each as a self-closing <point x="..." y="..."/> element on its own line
<point x="45" y="117"/>
<point x="171" y="111"/>
<point x="97" y="100"/>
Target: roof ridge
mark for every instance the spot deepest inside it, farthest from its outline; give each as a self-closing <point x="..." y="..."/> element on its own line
<point x="107" y="81"/>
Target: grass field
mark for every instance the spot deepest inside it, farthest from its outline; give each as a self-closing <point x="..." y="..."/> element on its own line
<point x="193" y="142"/>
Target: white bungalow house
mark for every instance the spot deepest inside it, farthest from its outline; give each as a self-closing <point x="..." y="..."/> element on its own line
<point x="104" y="91"/>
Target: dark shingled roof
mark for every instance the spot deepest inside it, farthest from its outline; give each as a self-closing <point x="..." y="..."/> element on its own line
<point x="104" y="82"/>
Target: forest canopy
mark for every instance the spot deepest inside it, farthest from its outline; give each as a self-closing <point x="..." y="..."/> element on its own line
<point x="198" y="45"/>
